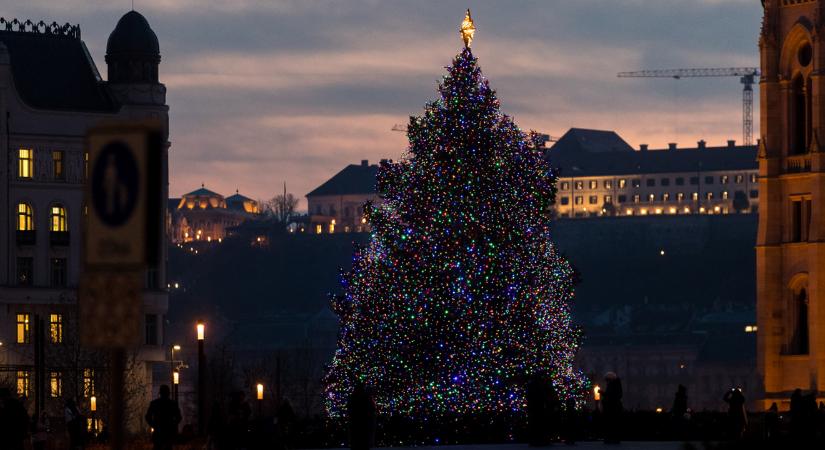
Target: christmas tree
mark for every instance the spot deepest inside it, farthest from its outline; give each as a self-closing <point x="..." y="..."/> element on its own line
<point x="460" y="295"/>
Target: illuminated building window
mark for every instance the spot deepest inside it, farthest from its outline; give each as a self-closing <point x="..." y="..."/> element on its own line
<point x="25" y="270"/>
<point x="86" y="166"/>
<point x="723" y="179"/>
<point x="25" y="163"/>
<point x="622" y="199"/>
<point x="25" y="217"/>
<point x="665" y="197"/>
<point x="695" y="196"/>
<point x="664" y="182"/>
<point x="24" y="378"/>
<point x="579" y="185"/>
<point x="318" y="229"/>
<point x="565" y="200"/>
<point x="637" y="182"/>
<point x="56" y="328"/>
<point x="753" y="178"/>
<point x="608" y="199"/>
<point x="680" y="197"/>
<point x="739" y="179"/>
<point x="708" y="180"/>
<point x="594" y="184"/>
<point x="88" y="382"/>
<point x="57" y="164"/>
<point x="608" y="184"/>
<point x="332" y="227"/>
<point x="650" y="182"/>
<point x="651" y="198"/>
<point x="636" y="198"/>
<point x="57" y="218"/>
<point x="579" y="200"/>
<point x="565" y="185"/>
<point x="622" y="183"/>
<point x="593" y="199"/>
<point x="724" y="195"/>
<point x="709" y="195"/>
<point x="55" y="384"/>
<point x="23" y="328"/>
<point x="680" y="181"/>
<point x="694" y="181"/>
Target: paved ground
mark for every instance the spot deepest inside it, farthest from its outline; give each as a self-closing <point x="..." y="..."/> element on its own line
<point x="581" y="445"/>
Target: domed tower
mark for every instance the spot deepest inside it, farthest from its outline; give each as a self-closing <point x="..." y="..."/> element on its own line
<point x="133" y="52"/>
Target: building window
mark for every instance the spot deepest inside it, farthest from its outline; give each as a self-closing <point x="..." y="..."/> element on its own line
<point x="695" y="196"/>
<point x="622" y="199"/>
<point x="565" y="200"/>
<point x="694" y="181"/>
<point x="664" y="182"/>
<point x="724" y="195"/>
<point x="57" y="218"/>
<point x="622" y="183"/>
<point x="608" y="199"/>
<point x="55" y="385"/>
<point x="318" y="229"/>
<point x="650" y="182"/>
<point x="709" y="195"/>
<point x="637" y="182"/>
<point x="57" y="164"/>
<point x="680" y="197"/>
<point x="608" y="184"/>
<point x="723" y="179"/>
<point x="636" y="198"/>
<point x="25" y="163"/>
<point x="86" y="166"/>
<point x="24" y="378"/>
<point x="651" y="198"/>
<point x="579" y="185"/>
<point x="593" y="199"/>
<point x="23" y="328"/>
<point x="579" y="200"/>
<point x="739" y="179"/>
<point x="709" y="180"/>
<point x="151" y="329"/>
<point x="800" y="220"/>
<point x="25" y="217"/>
<point x="565" y="185"/>
<point x="753" y="178"/>
<point x="665" y="197"/>
<point x="799" y="339"/>
<point x="594" y="184"/>
<point x="56" y="328"/>
<point x="754" y="193"/>
<point x="25" y="270"/>
<point x="88" y="382"/>
<point x="58" y="272"/>
<point x="680" y="181"/>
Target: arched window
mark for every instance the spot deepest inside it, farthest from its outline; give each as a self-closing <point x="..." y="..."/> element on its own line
<point x="25" y="217"/>
<point x="798" y="343"/>
<point x="57" y="218"/>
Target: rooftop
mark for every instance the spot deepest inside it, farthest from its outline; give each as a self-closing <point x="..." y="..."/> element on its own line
<point x="354" y="179"/>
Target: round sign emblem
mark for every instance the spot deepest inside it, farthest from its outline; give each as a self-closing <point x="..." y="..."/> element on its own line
<point x="115" y="184"/>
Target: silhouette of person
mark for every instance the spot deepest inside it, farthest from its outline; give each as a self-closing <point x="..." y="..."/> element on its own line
<point x="612" y="407"/>
<point x="13" y="421"/>
<point x="163" y="416"/>
<point x="361" y="413"/>
<point x="679" y="412"/>
<point x="797" y="414"/>
<point x="737" y="417"/>
<point x="772" y="422"/>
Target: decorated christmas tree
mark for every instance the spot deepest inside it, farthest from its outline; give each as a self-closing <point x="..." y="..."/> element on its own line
<point x="460" y="296"/>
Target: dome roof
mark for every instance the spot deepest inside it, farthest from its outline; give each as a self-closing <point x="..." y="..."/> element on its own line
<point x="133" y="35"/>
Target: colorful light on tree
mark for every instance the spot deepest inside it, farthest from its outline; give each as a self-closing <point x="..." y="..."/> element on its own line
<point x="460" y="295"/>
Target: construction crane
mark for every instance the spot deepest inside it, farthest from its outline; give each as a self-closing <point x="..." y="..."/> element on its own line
<point x="747" y="76"/>
<point x="544" y="138"/>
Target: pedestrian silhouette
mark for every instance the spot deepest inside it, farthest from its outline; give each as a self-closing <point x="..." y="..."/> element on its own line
<point x="797" y="413"/>
<point x="772" y="422"/>
<point x="679" y="412"/>
<point x="612" y="407"/>
<point x="361" y="413"/>
<point x="75" y="425"/>
<point x="163" y="416"/>
<point x="13" y="421"/>
<point x="737" y="417"/>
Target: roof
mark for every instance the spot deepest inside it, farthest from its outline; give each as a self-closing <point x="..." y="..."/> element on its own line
<point x="354" y="179"/>
<point x="133" y="36"/>
<point x="236" y="197"/>
<point x="53" y="70"/>
<point x="202" y="192"/>
<point x="593" y="141"/>
<point x="574" y="160"/>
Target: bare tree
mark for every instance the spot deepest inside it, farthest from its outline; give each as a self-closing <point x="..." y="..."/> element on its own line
<point x="281" y="207"/>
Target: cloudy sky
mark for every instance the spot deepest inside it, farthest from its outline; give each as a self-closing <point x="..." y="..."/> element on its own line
<point x="270" y="91"/>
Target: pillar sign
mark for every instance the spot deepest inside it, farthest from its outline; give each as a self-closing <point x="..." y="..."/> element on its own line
<point x="123" y="229"/>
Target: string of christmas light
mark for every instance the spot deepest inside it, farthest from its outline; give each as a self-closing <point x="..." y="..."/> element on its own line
<point x="460" y="295"/>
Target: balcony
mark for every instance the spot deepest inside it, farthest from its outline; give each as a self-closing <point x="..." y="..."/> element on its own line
<point x="798" y="164"/>
<point x="26" y="237"/>
<point x="59" y="238"/>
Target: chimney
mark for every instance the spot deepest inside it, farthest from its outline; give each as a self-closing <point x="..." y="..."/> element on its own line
<point x="384" y="161"/>
<point x="365" y="162"/>
<point x="731" y="143"/>
<point x="701" y="145"/>
<point x="671" y="146"/>
<point x="643" y="147"/>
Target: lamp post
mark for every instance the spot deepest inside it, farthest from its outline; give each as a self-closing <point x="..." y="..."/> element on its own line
<point x="175" y="382"/>
<point x="260" y="397"/>
<point x="201" y="334"/>
<point x="172" y="351"/>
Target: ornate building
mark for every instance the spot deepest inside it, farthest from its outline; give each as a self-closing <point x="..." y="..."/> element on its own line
<point x="337" y="205"/>
<point x="51" y="93"/>
<point x="204" y="215"/>
<point x="790" y="251"/>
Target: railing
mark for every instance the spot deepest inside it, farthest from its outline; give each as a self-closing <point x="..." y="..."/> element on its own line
<point x="797" y="164"/>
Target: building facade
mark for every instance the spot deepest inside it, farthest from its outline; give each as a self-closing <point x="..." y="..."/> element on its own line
<point x="790" y="250"/>
<point x="51" y="94"/>
<point x="601" y="175"/>
<point x="205" y="216"/>
<point x="337" y="206"/>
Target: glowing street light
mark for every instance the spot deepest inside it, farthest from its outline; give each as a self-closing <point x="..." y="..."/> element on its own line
<point x="201" y="328"/>
<point x="597" y="393"/>
<point x="260" y="389"/>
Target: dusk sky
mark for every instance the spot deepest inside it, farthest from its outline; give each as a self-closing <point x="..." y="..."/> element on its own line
<point x="263" y="92"/>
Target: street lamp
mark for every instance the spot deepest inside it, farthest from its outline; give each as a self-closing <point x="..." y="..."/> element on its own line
<point x="172" y="351"/>
<point x="175" y="382"/>
<point x="201" y="334"/>
<point x="93" y="408"/>
<point x="260" y="389"/>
